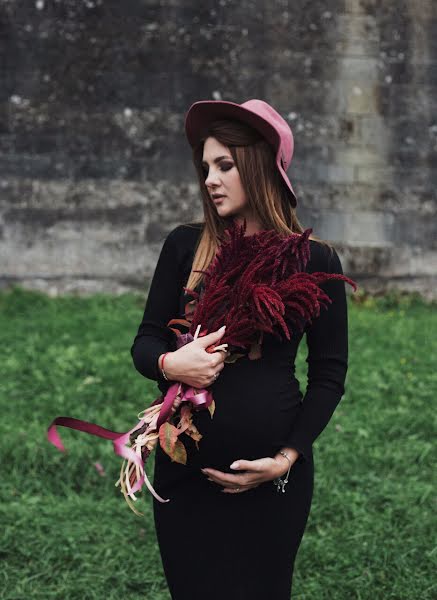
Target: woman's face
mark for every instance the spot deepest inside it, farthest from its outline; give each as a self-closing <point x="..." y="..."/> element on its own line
<point x="223" y="179"/>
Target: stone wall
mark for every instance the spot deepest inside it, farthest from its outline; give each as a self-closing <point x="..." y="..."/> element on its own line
<point x="95" y="169"/>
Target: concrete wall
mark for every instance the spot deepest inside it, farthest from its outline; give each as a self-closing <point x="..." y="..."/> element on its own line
<point x="95" y="169"/>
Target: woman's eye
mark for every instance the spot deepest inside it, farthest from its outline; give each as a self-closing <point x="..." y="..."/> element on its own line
<point x="223" y="167"/>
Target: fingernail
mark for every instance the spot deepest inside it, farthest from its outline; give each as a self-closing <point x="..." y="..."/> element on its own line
<point x="222" y="328"/>
<point x="235" y="465"/>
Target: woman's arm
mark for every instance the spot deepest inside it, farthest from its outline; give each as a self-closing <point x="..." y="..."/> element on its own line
<point x="154" y="337"/>
<point x="327" y="341"/>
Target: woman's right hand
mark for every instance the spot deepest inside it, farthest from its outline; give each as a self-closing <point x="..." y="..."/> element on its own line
<point x="193" y="365"/>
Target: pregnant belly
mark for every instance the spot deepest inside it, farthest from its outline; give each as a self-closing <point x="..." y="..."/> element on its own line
<point x="253" y="415"/>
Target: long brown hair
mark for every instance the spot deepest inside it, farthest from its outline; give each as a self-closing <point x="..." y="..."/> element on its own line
<point x="267" y="195"/>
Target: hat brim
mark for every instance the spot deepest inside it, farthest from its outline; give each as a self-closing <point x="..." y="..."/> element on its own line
<point x="203" y="112"/>
<point x="287" y="181"/>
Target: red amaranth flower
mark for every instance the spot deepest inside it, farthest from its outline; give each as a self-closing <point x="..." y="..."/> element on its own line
<point x="257" y="284"/>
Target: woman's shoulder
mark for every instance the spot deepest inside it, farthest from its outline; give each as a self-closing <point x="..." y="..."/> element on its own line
<point x="186" y="234"/>
<point x="323" y="257"/>
<point x="183" y="240"/>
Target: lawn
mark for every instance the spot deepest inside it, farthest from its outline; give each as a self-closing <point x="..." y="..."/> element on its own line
<point x="66" y="530"/>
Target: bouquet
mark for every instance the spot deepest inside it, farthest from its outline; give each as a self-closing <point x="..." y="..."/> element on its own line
<point x="254" y="285"/>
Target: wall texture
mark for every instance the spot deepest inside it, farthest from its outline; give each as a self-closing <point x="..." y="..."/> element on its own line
<point x="95" y="169"/>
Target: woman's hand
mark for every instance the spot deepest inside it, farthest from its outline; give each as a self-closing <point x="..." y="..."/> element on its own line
<point x="253" y="472"/>
<point x="193" y="365"/>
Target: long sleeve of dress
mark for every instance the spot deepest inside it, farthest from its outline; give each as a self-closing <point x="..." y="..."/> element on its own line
<point x="154" y="337"/>
<point x="327" y="341"/>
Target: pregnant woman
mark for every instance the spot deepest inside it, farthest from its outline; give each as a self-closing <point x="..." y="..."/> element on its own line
<point x="240" y="505"/>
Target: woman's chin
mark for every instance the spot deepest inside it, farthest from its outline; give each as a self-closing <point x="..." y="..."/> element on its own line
<point x="225" y="211"/>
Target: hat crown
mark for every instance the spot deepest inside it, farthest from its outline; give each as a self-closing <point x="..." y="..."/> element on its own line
<point x="269" y="114"/>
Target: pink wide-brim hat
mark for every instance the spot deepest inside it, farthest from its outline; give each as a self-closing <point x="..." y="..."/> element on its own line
<point x="256" y="113"/>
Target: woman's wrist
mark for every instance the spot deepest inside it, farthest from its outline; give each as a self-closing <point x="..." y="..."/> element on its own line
<point x="288" y="455"/>
<point x="160" y="357"/>
<point x="164" y="365"/>
<point x="292" y="455"/>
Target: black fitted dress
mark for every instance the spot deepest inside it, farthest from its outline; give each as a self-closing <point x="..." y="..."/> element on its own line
<point x="241" y="546"/>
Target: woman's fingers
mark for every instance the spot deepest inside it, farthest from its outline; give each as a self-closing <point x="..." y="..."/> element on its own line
<point x="238" y="490"/>
<point x="234" y="489"/>
<point x="248" y="474"/>
<point x="230" y="480"/>
<point x="222" y="348"/>
<point x="210" y="339"/>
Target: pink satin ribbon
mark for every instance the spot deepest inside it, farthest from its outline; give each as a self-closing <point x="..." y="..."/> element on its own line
<point x="200" y="400"/>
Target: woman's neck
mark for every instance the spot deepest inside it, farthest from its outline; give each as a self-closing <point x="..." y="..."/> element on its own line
<point x="252" y="226"/>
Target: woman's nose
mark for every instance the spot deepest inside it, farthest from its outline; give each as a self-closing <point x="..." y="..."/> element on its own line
<point x="212" y="179"/>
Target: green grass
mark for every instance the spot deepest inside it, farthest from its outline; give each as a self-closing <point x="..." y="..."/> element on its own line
<point x="66" y="531"/>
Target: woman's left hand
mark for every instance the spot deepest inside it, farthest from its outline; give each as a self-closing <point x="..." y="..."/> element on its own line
<point x="252" y="473"/>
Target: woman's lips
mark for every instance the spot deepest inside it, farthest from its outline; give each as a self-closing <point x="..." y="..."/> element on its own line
<point x="218" y="200"/>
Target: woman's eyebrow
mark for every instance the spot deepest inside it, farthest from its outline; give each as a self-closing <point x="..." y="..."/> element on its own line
<point x="216" y="160"/>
